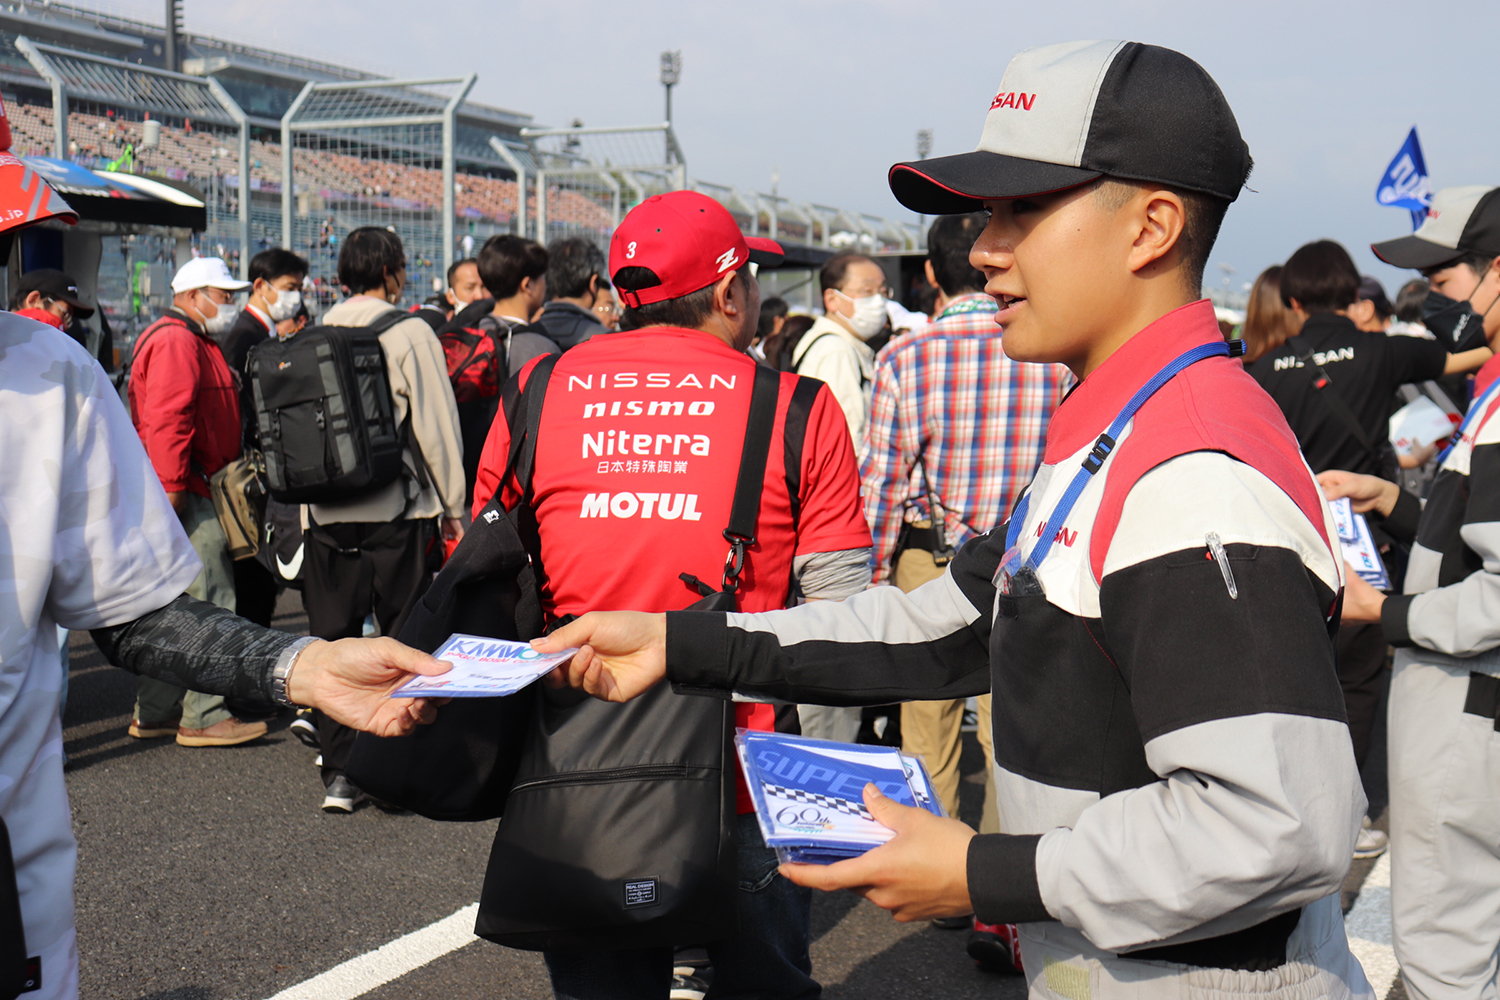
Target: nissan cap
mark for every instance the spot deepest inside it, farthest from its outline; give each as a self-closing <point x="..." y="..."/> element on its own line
<point x="55" y="285"/>
<point x="688" y="241"/>
<point x="1460" y="220"/>
<point x="1066" y="114"/>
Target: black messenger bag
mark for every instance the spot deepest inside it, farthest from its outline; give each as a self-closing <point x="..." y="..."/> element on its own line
<point x="618" y="821"/>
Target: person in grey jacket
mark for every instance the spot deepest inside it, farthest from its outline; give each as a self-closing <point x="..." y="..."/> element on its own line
<point x="369" y="555"/>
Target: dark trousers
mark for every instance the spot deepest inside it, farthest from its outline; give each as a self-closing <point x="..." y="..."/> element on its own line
<point x="255" y="592"/>
<point x="1361" y="658"/>
<point x="351" y="571"/>
<point x="767" y="960"/>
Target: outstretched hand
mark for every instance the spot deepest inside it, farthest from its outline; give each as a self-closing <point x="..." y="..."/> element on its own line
<point x="622" y="654"/>
<point x="921" y="873"/>
<point x="351" y="680"/>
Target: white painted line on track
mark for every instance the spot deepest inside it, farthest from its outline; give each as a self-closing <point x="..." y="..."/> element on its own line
<point x="1368" y="925"/>
<point x="359" y="976"/>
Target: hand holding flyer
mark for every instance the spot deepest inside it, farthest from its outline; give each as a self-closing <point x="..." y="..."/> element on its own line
<point x="808" y="793"/>
<point x="483" y="668"/>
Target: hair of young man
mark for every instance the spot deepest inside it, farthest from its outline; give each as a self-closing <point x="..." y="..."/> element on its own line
<point x="836" y="271"/>
<point x="1321" y="277"/>
<point x="1203" y="214"/>
<point x="779" y="347"/>
<point x="570" y="265"/>
<point x="368" y="255"/>
<point x="268" y="265"/>
<point x="770" y="310"/>
<point x="949" y="241"/>
<point x="1267" y="319"/>
<point x="1479" y="263"/>
<point x="1410" y="298"/>
<point x="688" y="311"/>
<point x="505" y="260"/>
<point x="453" y="269"/>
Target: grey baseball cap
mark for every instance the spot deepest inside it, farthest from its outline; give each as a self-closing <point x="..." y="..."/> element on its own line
<point x="1460" y="220"/>
<point x="1066" y="114"/>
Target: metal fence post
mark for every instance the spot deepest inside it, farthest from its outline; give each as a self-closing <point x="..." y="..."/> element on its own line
<point x="450" y="123"/>
<point x="287" y="219"/>
<point x="49" y="73"/>
<point x="541" y="207"/>
<point x="515" y="164"/>
<point x="238" y="114"/>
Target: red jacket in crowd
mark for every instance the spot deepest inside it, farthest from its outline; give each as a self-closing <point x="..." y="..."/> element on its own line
<point x="184" y="403"/>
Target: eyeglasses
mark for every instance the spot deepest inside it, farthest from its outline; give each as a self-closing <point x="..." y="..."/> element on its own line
<point x="67" y="311"/>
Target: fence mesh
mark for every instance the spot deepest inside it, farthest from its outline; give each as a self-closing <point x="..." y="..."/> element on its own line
<point x="347" y="175"/>
<point x="594" y="176"/>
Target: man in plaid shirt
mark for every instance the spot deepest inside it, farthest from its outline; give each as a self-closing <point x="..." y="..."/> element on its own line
<point x="956" y="425"/>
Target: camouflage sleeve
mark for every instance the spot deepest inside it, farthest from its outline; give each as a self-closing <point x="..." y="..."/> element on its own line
<point x="201" y="647"/>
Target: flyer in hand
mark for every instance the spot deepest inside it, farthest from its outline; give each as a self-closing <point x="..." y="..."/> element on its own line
<point x="1359" y="548"/>
<point x="809" y="794"/>
<point x="482" y="668"/>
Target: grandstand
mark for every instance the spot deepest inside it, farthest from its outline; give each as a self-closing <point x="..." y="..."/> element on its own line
<point x="354" y="176"/>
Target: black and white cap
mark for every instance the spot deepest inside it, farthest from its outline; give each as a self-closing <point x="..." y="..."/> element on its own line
<point x="1460" y="220"/>
<point x="1066" y="114"/>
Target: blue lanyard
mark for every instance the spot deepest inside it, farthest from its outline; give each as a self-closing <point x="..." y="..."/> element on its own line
<point x="1475" y="409"/>
<point x="1101" y="451"/>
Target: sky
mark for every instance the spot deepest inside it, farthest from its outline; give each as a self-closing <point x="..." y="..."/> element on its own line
<point x="830" y="93"/>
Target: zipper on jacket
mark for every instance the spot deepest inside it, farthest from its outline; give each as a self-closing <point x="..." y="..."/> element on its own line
<point x="608" y="775"/>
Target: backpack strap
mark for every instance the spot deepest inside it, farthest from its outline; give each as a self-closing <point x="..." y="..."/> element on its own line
<point x="797" y="365"/>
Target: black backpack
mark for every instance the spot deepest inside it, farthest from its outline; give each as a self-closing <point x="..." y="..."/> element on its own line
<point x="618" y="824"/>
<point x="324" y="412"/>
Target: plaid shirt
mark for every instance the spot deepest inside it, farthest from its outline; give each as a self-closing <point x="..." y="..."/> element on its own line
<point x="947" y="394"/>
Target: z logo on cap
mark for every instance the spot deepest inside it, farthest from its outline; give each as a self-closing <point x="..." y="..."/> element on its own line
<point x="726" y="260"/>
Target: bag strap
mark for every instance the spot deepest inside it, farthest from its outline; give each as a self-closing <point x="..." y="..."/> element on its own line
<point x="759" y="428"/>
<point x="1321" y="380"/>
<point x="794" y="436"/>
<point x="797" y="365"/>
<point x="523" y="409"/>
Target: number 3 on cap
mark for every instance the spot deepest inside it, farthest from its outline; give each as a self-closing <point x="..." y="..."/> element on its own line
<point x="629" y="250"/>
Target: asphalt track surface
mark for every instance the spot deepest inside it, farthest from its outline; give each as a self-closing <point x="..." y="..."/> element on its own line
<point x="211" y="874"/>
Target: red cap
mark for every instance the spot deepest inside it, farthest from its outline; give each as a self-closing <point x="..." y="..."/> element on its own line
<point x="25" y="199"/>
<point x="688" y="241"/>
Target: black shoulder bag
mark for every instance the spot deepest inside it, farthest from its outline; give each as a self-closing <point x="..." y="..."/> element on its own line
<point x="620" y="828"/>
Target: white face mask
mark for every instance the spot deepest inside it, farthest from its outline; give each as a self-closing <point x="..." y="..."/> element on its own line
<point x="869" y="315"/>
<point x="222" y="320"/>
<point x="286" y="304"/>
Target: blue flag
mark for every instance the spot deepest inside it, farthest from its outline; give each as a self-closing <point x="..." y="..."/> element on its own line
<point x="1405" y="183"/>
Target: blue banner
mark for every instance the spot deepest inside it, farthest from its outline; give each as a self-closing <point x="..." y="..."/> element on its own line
<point x="1405" y="183"/>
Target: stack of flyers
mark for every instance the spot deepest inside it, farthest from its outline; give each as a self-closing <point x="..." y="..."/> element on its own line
<point x="809" y="794"/>
<point x="1359" y="548"/>
<point x="482" y="668"/>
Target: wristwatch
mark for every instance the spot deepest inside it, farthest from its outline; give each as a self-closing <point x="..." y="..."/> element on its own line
<point x="282" y="672"/>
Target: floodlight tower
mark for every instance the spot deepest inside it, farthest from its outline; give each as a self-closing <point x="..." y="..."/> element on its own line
<point x="671" y="71"/>
<point x="170" y="54"/>
<point x="924" y="147"/>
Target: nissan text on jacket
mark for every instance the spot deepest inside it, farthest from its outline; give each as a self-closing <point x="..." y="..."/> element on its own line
<point x="184" y="402"/>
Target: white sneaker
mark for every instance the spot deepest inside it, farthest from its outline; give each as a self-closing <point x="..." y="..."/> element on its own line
<point x="1372" y="843"/>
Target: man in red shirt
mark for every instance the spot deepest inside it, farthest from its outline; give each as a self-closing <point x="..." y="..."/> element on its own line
<point x="637" y="457"/>
<point x="185" y="406"/>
